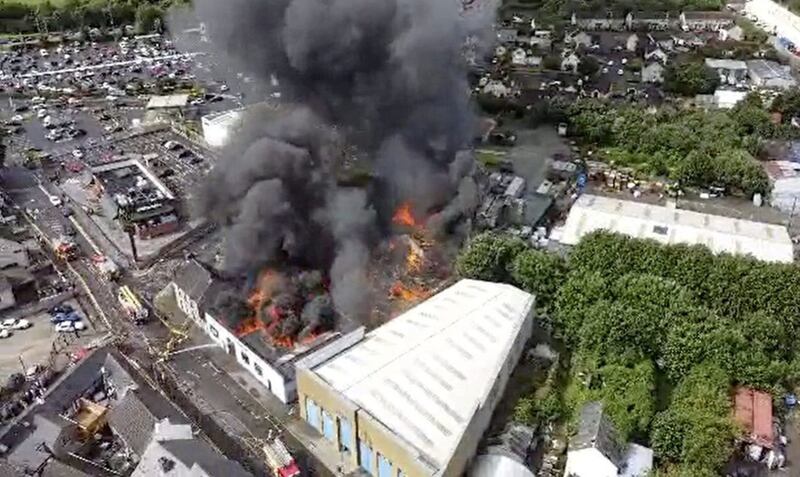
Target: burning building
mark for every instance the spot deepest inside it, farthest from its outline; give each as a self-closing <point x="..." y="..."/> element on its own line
<point x="284" y="318"/>
<point x="373" y="136"/>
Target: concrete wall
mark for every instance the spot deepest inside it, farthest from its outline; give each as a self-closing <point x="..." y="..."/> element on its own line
<point x="274" y="381"/>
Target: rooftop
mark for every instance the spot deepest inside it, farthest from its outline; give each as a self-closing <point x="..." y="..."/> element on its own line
<point x="194" y="279"/>
<point x="173" y="451"/>
<point x="763" y="241"/>
<point x="171" y="101"/>
<point x="596" y="431"/>
<point x="122" y="175"/>
<point x="718" y="63"/>
<point x="425" y="373"/>
<point x="768" y="70"/>
<point x="753" y="410"/>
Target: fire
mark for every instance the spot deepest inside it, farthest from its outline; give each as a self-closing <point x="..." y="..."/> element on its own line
<point x="403" y="216"/>
<point x="250" y="325"/>
<point x="405" y="293"/>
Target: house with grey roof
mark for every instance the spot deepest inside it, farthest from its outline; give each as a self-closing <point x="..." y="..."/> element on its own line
<point x="174" y="451"/>
<point x="133" y="418"/>
<point x="190" y="285"/>
<point x="653" y="73"/>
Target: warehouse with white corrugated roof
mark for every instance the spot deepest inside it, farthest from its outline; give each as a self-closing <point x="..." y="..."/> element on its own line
<point x="414" y="396"/>
<point x="767" y="242"/>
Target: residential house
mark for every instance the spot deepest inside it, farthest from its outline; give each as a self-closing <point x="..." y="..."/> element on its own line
<point x="632" y="43"/>
<point x="598" y="23"/>
<point x="734" y="33"/>
<point x="507" y="35"/>
<point x="707" y="21"/>
<point x="653" y="73"/>
<point x="654" y="21"/>
<point x="656" y="55"/>
<point x="534" y="61"/>
<point x="666" y="44"/>
<point x="174" y="451"/>
<point x="540" y="43"/>
<point x="783" y="170"/>
<point x="570" y="62"/>
<point x="496" y="88"/>
<point x="595" y="451"/>
<point x="190" y="285"/>
<point x="518" y="57"/>
<point x="729" y="71"/>
<point x="769" y="74"/>
<point x="579" y="39"/>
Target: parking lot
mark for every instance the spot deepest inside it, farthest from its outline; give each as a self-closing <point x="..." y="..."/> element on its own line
<point x="34" y="345"/>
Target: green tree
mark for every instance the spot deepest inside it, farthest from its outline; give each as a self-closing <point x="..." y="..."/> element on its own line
<point x="488" y="256"/>
<point x="690" y="78"/>
<point x="540" y="273"/>
<point x="148" y="17"/>
<point x="588" y="66"/>
<point x="551" y="62"/>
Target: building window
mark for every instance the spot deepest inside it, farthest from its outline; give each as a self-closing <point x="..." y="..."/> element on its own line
<point x="213" y="331"/>
<point x="245" y="357"/>
<point x="258" y="370"/>
<point x="328" y="429"/>
<point x="384" y="466"/>
<point x="365" y="456"/>
<point x="660" y="230"/>
<point x="312" y="413"/>
<point x="345" y="435"/>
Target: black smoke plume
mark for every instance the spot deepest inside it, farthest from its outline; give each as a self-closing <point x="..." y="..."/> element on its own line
<point x="385" y="78"/>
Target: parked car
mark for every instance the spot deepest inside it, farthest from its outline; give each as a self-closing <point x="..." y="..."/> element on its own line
<point x="66" y="317"/>
<point x="15" y="324"/>
<point x="67" y="326"/>
<point x="55" y="200"/>
<point x="4" y="333"/>
<point x="64" y="308"/>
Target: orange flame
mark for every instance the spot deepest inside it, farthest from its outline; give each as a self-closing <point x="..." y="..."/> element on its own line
<point x="405" y="293"/>
<point x="250" y="325"/>
<point x="403" y="216"/>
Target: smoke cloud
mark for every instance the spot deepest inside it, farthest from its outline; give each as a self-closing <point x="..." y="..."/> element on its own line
<point x="378" y="82"/>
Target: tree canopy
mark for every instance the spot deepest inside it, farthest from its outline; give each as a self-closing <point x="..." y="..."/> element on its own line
<point x="659" y="334"/>
<point x="694" y="147"/>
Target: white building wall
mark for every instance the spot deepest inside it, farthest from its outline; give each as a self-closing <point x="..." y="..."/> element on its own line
<point x="218" y="128"/>
<point x="275" y="382"/>
<point x="185" y="303"/>
<point x="589" y="463"/>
